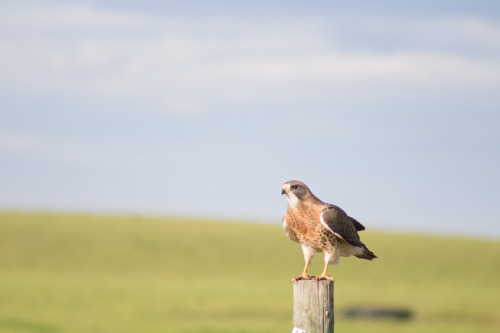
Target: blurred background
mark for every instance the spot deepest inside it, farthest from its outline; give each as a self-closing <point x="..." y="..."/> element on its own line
<point x="387" y="109"/>
<point x="202" y="109"/>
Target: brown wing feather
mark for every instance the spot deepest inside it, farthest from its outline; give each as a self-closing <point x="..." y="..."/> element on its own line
<point x="341" y="224"/>
<point x="357" y="225"/>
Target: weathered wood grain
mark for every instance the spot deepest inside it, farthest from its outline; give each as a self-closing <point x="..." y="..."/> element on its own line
<point x="313" y="306"/>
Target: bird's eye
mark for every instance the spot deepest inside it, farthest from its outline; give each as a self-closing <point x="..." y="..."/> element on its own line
<point x="294" y="187"/>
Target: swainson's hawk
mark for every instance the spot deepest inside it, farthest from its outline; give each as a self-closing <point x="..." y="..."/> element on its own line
<point x="321" y="227"/>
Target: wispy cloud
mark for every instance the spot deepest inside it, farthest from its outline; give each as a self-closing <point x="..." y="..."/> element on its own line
<point x="185" y="64"/>
<point x="396" y="113"/>
<point x="70" y="16"/>
<point x="17" y="142"/>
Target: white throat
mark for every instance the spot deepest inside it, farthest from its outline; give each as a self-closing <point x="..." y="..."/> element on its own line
<point x="293" y="201"/>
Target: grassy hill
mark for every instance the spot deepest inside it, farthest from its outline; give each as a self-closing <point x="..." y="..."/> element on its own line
<point x="78" y="273"/>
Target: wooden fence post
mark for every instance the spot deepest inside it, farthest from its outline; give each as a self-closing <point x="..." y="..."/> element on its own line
<point x="313" y="306"/>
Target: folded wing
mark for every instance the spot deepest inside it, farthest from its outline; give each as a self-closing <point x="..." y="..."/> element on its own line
<point x="341" y="225"/>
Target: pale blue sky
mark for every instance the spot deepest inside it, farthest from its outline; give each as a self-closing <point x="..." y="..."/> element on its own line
<point x="389" y="110"/>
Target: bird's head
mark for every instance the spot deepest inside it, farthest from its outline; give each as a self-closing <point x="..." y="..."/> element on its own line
<point x="295" y="192"/>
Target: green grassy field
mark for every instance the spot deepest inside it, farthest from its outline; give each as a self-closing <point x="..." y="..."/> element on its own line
<point x="77" y="273"/>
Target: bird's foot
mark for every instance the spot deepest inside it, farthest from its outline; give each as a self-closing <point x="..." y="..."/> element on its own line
<point x="324" y="277"/>
<point x="302" y="277"/>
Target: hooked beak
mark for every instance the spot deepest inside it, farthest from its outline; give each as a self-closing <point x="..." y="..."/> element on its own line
<point x="284" y="189"/>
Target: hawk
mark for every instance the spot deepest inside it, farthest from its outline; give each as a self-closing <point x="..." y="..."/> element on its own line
<point x="321" y="227"/>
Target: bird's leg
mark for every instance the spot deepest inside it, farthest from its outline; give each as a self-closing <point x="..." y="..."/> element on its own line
<point x="304" y="272"/>
<point x="324" y="275"/>
<point x="307" y="258"/>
